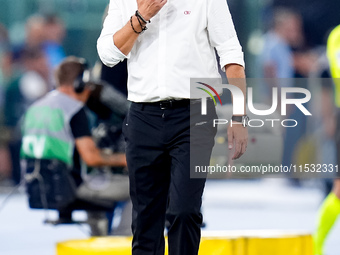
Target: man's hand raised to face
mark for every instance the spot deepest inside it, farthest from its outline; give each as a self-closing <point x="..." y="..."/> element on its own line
<point x="149" y="8"/>
<point x="125" y="38"/>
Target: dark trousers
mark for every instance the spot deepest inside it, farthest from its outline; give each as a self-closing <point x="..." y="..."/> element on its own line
<point x="158" y="155"/>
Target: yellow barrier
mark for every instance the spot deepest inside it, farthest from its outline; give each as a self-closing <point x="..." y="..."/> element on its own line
<point x="96" y="246"/>
<point x="212" y="243"/>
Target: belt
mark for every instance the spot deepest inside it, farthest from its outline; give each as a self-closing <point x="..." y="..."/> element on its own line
<point x="171" y="104"/>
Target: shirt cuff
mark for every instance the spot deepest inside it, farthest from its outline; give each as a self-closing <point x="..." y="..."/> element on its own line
<point x="230" y="53"/>
<point x="108" y="52"/>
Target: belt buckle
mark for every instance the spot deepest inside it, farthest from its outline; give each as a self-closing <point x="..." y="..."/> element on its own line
<point x="165" y="104"/>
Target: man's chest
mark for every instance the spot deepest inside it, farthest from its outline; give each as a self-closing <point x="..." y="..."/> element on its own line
<point x="178" y="14"/>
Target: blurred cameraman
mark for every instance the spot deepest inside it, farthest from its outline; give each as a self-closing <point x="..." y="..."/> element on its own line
<point x="56" y="135"/>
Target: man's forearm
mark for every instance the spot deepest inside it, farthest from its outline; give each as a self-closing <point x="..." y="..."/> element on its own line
<point x="125" y="38"/>
<point x="115" y="160"/>
<point x="236" y="76"/>
<point x="237" y="134"/>
<point x="100" y="158"/>
<point x="93" y="156"/>
<point x="235" y="71"/>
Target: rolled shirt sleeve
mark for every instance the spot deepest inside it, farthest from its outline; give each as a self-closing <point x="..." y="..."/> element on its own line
<point x="109" y="54"/>
<point x="222" y="34"/>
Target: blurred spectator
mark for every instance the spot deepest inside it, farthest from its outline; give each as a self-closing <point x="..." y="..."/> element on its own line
<point x="277" y="57"/>
<point x="277" y="62"/>
<point x="305" y="62"/>
<point x="28" y="87"/>
<point x="35" y="36"/>
<point x="319" y="16"/>
<point x="298" y="138"/>
<point x="54" y="36"/>
<point x="4" y="70"/>
<point x="47" y="32"/>
<point x="21" y="92"/>
<point x="35" y="31"/>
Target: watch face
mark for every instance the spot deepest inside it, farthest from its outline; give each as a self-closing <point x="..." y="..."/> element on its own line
<point x="245" y="120"/>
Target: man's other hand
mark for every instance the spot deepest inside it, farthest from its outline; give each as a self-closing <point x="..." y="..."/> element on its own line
<point x="238" y="139"/>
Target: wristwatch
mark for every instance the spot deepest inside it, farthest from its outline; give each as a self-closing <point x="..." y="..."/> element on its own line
<point x="242" y="119"/>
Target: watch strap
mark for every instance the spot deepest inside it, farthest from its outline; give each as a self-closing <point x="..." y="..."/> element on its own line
<point x="237" y="118"/>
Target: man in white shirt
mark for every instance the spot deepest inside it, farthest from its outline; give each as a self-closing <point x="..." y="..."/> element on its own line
<point x="167" y="42"/>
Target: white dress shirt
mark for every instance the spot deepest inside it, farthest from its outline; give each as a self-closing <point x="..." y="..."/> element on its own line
<point x="178" y="45"/>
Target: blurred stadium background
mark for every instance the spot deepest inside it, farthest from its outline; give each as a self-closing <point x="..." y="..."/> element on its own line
<point x="83" y="20"/>
<point x="230" y="205"/>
